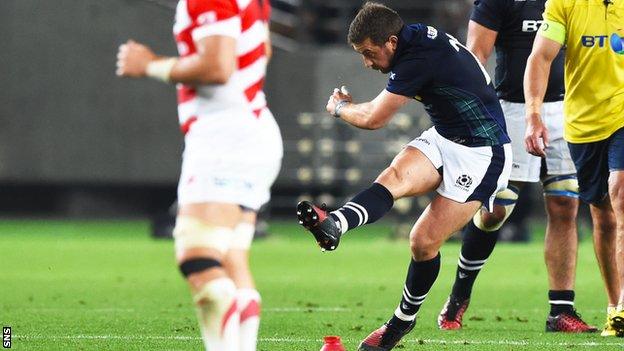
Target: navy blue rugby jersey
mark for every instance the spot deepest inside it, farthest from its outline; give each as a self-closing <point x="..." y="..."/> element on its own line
<point x="516" y="22"/>
<point x="432" y="67"/>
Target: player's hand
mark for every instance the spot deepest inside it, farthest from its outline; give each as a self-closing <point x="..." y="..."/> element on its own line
<point x="337" y="96"/>
<point x="536" y="136"/>
<point x="132" y="59"/>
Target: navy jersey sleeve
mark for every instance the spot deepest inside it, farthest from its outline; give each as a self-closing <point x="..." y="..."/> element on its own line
<point x="489" y="13"/>
<point x="410" y="76"/>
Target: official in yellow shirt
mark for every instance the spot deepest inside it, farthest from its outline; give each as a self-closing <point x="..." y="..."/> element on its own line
<point x="592" y="31"/>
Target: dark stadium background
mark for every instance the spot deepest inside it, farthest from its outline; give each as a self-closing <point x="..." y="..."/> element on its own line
<point x="77" y="142"/>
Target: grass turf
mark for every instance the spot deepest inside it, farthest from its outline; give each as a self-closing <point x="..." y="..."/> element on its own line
<point x="108" y="286"/>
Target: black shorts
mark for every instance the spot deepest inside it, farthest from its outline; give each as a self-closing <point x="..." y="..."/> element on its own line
<point x="594" y="162"/>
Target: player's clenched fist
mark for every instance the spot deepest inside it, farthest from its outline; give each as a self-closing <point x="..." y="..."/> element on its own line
<point x="338" y="98"/>
<point x="133" y="58"/>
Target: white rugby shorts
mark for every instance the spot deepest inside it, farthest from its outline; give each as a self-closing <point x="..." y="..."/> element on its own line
<point x="232" y="158"/>
<point x="468" y="173"/>
<point x="526" y="167"/>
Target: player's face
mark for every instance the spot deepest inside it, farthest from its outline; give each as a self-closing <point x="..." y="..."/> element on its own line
<point x="377" y="57"/>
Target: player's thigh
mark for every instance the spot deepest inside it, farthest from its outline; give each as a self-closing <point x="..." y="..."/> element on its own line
<point x="218" y="214"/>
<point x="592" y="170"/>
<point x="474" y="173"/>
<point x="204" y="230"/>
<point x="525" y="167"/>
<point x="410" y="173"/>
<point x="441" y="219"/>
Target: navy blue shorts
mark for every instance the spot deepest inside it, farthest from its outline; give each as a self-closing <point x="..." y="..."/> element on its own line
<point x="594" y="161"/>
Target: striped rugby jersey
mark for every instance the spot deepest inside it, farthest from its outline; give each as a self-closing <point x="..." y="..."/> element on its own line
<point x="243" y="20"/>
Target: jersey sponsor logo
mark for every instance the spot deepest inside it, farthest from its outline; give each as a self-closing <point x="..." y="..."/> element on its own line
<point x="432" y="33"/>
<point x="531" y="25"/>
<point x="422" y="140"/>
<point x="617" y="43"/>
<point x="589" y="41"/>
<point x="464" y="182"/>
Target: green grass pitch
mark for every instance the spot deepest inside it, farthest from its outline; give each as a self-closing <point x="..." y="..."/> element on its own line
<point x="108" y="286"/>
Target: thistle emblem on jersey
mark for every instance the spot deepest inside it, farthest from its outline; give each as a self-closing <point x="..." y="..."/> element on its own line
<point x="617" y="43"/>
<point x="464" y="181"/>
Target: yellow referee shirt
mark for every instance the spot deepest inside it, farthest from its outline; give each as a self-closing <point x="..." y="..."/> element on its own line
<point x="593" y="32"/>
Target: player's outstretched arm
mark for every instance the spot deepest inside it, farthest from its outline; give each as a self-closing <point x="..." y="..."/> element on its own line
<point x="535" y="83"/>
<point x="480" y="41"/>
<point x="368" y="115"/>
<point x="213" y="63"/>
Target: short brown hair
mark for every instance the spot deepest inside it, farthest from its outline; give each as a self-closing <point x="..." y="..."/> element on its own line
<point x="376" y="22"/>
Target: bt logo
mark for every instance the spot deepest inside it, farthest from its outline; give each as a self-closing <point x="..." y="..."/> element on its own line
<point x="590" y="41"/>
<point x="531" y="25"/>
<point x="615" y="41"/>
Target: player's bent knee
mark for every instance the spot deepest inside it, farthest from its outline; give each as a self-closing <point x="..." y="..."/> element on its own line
<point x="561" y="185"/>
<point x="392" y="179"/>
<point x="424" y="247"/>
<point x="505" y="202"/>
<point x="192" y="233"/>
<point x="199" y="264"/>
<point x="242" y="236"/>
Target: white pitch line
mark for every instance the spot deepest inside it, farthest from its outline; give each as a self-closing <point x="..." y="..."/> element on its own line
<point x="308" y="340"/>
<point x="295" y="309"/>
<point x="304" y="309"/>
<point x="133" y="310"/>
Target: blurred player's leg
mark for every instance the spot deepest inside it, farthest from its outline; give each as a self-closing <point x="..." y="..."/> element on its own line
<point x="616" y="194"/>
<point x="247" y="297"/>
<point x="202" y="237"/>
<point x="440" y="219"/>
<point x="479" y="238"/>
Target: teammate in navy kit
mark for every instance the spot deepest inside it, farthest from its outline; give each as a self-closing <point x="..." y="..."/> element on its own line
<point x="510" y="27"/>
<point x="465" y="157"/>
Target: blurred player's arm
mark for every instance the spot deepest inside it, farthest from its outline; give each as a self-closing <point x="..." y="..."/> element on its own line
<point x="268" y="48"/>
<point x="544" y="52"/>
<point x="213" y="63"/>
<point x="368" y="115"/>
<point x="480" y="41"/>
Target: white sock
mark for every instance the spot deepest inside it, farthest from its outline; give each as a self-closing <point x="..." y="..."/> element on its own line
<point x="218" y="315"/>
<point x="248" y="302"/>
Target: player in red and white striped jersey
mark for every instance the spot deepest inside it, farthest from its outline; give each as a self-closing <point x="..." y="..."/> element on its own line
<point x="233" y="152"/>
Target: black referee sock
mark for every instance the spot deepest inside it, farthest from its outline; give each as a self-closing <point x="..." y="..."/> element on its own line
<point x="477" y="246"/>
<point x="560" y="301"/>
<point x="366" y="207"/>
<point x="420" y="277"/>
